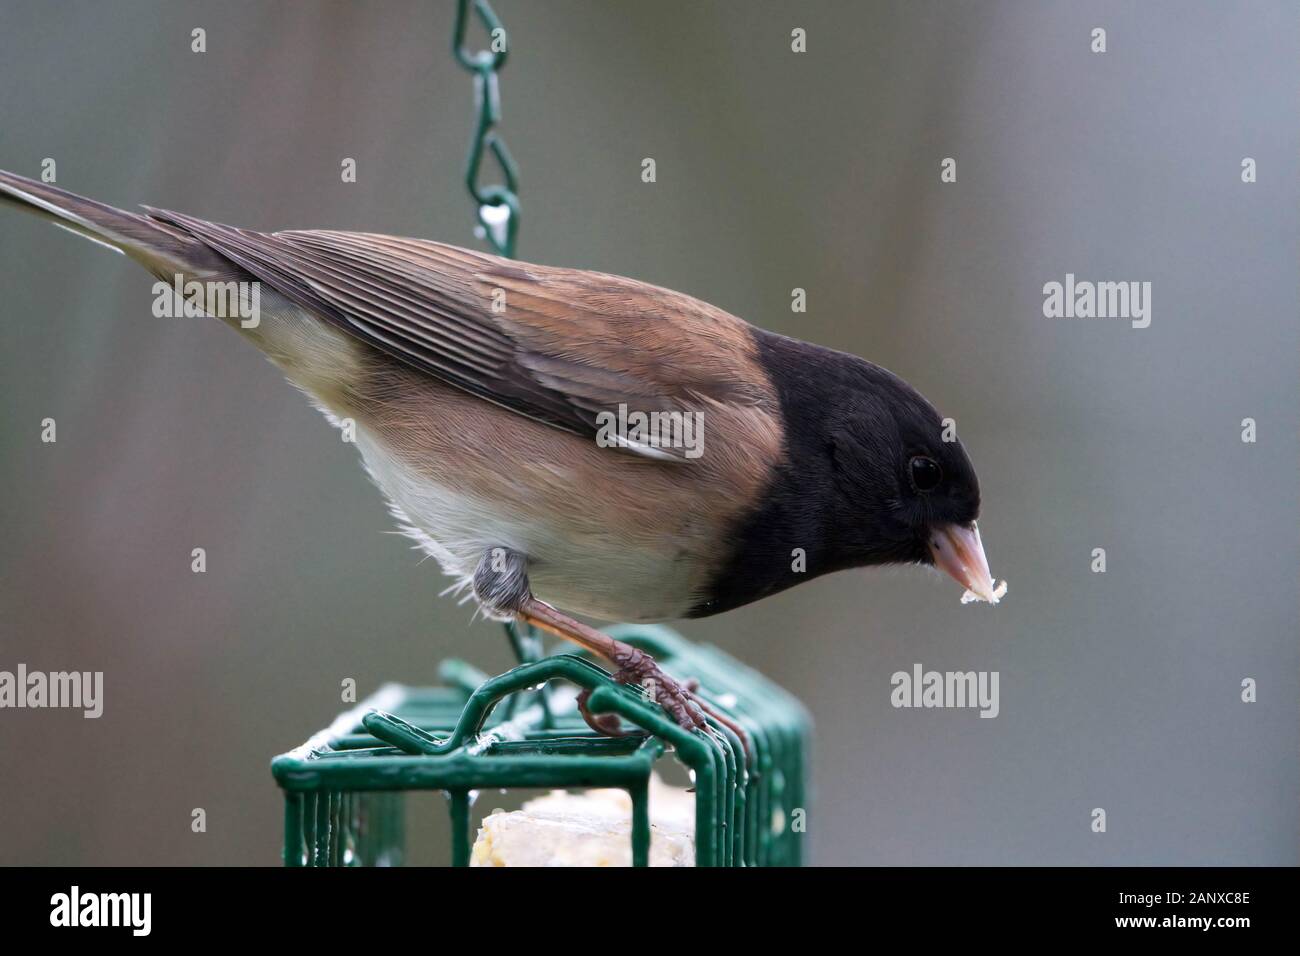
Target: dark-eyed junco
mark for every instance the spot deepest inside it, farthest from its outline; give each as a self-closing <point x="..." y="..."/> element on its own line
<point x="567" y="439"/>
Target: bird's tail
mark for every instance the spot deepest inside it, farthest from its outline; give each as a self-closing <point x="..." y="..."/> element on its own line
<point x="161" y="248"/>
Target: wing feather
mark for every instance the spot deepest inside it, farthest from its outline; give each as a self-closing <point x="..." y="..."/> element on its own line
<point x="567" y="346"/>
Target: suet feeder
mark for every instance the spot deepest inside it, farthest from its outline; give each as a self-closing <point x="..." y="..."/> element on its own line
<point x="344" y="788"/>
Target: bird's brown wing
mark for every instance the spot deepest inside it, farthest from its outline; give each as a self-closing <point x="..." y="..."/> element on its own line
<point x="557" y="345"/>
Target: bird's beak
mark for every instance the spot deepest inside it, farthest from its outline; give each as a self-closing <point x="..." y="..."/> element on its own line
<point x="958" y="551"/>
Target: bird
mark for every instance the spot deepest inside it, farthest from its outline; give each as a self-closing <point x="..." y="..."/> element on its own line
<point x="566" y="442"/>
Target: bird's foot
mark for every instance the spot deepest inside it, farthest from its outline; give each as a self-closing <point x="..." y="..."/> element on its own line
<point x="639" y="669"/>
<point x="680" y="699"/>
<point x="633" y="666"/>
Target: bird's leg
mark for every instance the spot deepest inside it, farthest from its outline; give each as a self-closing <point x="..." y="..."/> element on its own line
<point x="633" y="665"/>
<point x="501" y="586"/>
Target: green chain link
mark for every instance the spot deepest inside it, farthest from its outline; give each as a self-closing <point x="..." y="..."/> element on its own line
<point x="501" y="198"/>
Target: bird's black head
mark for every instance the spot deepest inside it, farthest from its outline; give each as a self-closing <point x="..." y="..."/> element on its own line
<point x="902" y="478"/>
<point x="872" y="475"/>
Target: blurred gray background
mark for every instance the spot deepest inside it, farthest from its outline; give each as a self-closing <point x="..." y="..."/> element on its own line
<point x="775" y="170"/>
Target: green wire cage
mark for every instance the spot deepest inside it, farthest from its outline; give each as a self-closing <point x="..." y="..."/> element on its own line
<point x="344" y="788"/>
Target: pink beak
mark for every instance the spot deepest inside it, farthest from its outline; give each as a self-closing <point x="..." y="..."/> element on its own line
<point x="959" y="552"/>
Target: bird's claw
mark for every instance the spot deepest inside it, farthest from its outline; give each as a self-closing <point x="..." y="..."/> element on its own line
<point x="639" y="669"/>
<point x="679" y="699"/>
<point x="605" y="724"/>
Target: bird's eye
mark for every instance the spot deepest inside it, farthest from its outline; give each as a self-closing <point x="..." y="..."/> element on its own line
<point x="926" y="473"/>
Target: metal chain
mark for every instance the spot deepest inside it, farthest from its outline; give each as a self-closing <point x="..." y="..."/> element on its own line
<point x="498" y="205"/>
